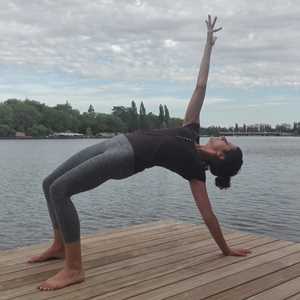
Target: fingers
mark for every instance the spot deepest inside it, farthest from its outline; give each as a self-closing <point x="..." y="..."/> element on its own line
<point x="207" y="24"/>
<point x="242" y="252"/>
<point x="216" y="30"/>
<point x="214" y="22"/>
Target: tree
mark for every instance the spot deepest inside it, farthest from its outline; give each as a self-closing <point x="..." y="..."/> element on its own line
<point x="109" y="123"/>
<point x="6" y="131"/>
<point x="88" y="132"/>
<point x="122" y="112"/>
<point x="153" y="121"/>
<point x="133" y="124"/>
<point x="6" y="114"/>
<point x="236" y="129"/>
<point x="167" y="115"/>
<point x="161" y="116"/>
<point x="38" y="131"/>
<point x="25" y="116"/>
<point x="64" y="107"/>
<point x="175" y="122"/>
<point x="142" y="117"/>
<point x="91" y="109"/>
<point x="86" y="121"/>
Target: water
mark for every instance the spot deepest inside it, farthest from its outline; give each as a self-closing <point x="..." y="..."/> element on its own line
<point x="264" y="197"/>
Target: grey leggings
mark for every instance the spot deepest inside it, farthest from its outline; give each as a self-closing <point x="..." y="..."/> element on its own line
<point x="110" y="159"/>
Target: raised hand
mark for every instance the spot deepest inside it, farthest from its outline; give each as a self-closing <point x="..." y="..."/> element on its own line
<point x="211" y="39"/>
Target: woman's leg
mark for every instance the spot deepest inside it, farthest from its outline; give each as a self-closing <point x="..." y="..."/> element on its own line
<point x="56" y="250"/>
<point x="116" y="162"/>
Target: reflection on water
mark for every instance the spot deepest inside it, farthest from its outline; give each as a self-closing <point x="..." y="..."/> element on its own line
<point x="264" y="197"/>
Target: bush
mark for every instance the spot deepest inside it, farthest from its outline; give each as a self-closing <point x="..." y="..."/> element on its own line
<point x="6" y="131"/>
<point x="38" y="131"/>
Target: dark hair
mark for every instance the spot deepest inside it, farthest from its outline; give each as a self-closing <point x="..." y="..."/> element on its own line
<point x="227" y="167"/>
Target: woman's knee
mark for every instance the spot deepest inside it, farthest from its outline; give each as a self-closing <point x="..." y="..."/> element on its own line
<point x="47" y="183"/>
<point x="57" y="190"/>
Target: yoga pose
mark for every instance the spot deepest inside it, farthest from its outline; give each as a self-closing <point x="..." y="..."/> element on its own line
<point x="176" y="149"/>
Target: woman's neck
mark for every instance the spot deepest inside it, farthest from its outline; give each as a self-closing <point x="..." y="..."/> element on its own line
<point x="204" y="151"/>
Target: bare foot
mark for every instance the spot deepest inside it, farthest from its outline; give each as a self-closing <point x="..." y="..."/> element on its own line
<point x="63" y="278"/>
<point x="52" y="253"/>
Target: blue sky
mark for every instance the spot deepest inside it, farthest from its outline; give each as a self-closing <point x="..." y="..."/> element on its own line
<point x="109" y="52"/>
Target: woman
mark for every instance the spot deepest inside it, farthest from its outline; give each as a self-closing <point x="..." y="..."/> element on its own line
<point x="125" y="155"/>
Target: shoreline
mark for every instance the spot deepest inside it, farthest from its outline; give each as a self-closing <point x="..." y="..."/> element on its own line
<point x="107" y="137"/>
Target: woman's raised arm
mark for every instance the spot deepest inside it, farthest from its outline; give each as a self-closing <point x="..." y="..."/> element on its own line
<point x="194" y="107"/>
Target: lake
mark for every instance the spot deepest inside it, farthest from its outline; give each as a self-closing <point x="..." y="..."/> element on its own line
<point x="263" y="199"/>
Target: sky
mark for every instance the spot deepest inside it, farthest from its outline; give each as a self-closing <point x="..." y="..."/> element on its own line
<point x="110" y="52"/>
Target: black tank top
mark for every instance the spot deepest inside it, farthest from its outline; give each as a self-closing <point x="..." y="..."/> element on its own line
<point x="171" y="148"/>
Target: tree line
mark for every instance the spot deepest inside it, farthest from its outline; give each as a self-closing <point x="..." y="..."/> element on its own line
<point x="39" y="120"/>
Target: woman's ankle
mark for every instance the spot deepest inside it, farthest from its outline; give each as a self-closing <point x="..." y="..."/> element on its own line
<point x="58" y="246"/>
<point x="73" y="267"/>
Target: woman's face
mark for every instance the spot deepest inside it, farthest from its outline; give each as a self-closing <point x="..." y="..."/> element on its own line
<point x="220" y="144"/>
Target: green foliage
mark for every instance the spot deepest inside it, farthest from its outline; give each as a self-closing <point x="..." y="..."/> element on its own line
<point x="38" y="130"/>
<point x="91" y="109"/>
<point x="6" y="114"/>
<point x="133" y="117"/>
<point x="39" y="120"/>
<point x="166" y="115"/>
<point x="143" y="117"/>
<point x="161" y="115"/>
<point x="6" y="131"/>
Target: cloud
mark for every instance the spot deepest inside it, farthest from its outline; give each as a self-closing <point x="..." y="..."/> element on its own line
<point x="154" y="39"/>
<point x="103" y="50"/>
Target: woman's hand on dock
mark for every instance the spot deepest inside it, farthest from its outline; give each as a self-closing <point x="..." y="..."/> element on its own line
<point x="238" y="252"/>
<point x="211" y="39"/>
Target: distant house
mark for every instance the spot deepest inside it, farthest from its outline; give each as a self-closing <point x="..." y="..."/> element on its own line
<point x="22" y="135"/>
<point x="66" y="134"/>
<point x="105" y="134"/>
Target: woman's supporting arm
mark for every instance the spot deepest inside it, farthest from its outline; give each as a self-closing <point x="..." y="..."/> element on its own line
<point x="199" y="192"/>
<point x="195" y="104"/>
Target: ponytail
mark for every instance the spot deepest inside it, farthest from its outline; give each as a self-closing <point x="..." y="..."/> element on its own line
<point x="222" y="182"/>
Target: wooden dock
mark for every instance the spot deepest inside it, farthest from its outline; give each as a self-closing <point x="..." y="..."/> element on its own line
<point x="162" y="260"/>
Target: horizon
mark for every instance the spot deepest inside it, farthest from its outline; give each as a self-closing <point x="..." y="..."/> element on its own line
<point x="151" y="51"/>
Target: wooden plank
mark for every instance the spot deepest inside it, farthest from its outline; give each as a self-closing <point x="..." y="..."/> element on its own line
<point x="247" y="283"/>
<point x="124" y="265"/>
<point x="109" y="244"/>
<point x="109" y="252"/>
<point x="93" y="244"/>
<point x="146" y="269"/>
<point x="123" y="268"/>
<point x="106" y="257"/>
<point x="115" y="234"/>
<point x="295" y="297"/>
<point x="172" y="284"/>
<point x="171" y="261"/>
<point x="135" y="283"/>
<point x="280" y="292"/>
